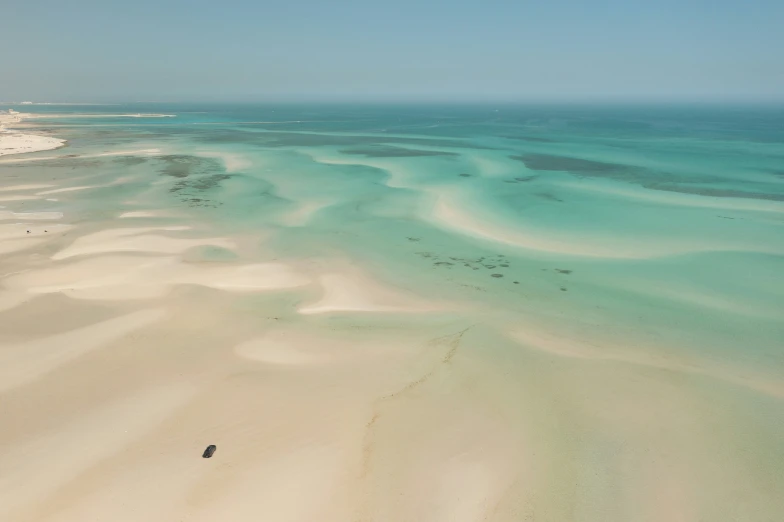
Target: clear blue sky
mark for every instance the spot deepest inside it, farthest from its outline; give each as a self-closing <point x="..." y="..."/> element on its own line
<point x="91" y="50"/>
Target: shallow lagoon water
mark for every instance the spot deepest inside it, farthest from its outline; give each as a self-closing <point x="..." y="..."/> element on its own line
<point x="615" y="273"/>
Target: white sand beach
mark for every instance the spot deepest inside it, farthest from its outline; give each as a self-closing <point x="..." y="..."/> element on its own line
<point x="14" y="142"/>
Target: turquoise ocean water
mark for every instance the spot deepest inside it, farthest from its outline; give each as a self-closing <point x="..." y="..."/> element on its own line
<point x="642" y="245"/>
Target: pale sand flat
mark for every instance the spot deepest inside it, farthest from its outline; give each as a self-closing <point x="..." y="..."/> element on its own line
<point x="66" y="189"/>
<point x="142" y="243"/>
<point x="114" y="233"/>
<point x="10" y="299"/>
<point x="609" y="351"/>
<point x="14" y="188"/>
<point x="14" y="237"/>
<point x="8" y="246"/>
<point x="664" y="483"/>
<point x="164" y="482"/>
<point x="139" y="152"/>
<point x="357" y="293"/>
<point x="269" y="483"/>
<point x="250" y="278"/>
<point x="426" y="458"/>
<point x="41" y="116"/>
<point x="134" y="277"/>
<point x="7" y="118"/>
<point x="271" y="350"/>
<point x="302" y="346"/>
<point x="140" y="214"/>
<point x="463" y="484"/>
<point x="6" y="214"/>
<point x="19" y="230"/>
<point x="305" y="446"/>
<point x="25" y="143"/>
<point x="49" y="461"/>
<point x="279" y="442"/>
<point x="131" y="239"/>
<point x="273" y="489"/>
<point x="18" y="197"/>
<point x="30" y="360"/>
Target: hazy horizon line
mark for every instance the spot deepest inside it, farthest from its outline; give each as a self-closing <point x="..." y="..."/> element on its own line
<point x="609" y="100"/>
